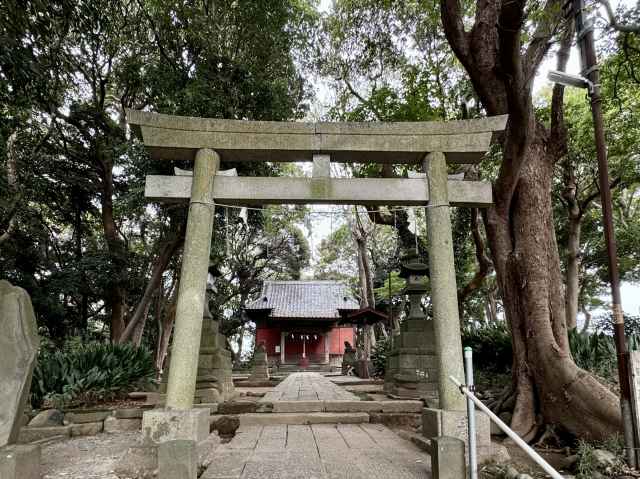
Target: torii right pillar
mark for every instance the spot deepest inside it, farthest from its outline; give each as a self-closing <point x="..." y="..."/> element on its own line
<point x="442" y="277"/>
<point x="450" y="419"/>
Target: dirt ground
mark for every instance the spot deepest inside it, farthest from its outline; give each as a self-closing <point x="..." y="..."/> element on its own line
<point x="89" y="457"/>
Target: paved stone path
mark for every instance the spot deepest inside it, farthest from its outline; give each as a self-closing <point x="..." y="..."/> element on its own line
<point x="308" y="387"/>
<point x="319" y="451"/>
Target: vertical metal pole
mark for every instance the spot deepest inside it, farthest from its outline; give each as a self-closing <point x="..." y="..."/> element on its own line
<point x="390" y="305"/>
<point x="471" y="414"/>
<point x="584" y="31"/>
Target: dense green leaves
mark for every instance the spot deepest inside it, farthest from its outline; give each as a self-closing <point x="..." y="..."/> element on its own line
<point x="80" y="237"/>
<point x="90" y="372"/>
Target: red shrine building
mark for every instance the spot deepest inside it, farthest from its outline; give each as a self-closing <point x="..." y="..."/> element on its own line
<point x="298" y="321"/>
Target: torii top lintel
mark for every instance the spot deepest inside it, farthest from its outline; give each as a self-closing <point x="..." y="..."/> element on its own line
<point x="178" y="138"/>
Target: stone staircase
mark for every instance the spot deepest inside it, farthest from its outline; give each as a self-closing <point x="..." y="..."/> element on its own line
<point x="321" y="412"/>
<point x="296" y="368"/>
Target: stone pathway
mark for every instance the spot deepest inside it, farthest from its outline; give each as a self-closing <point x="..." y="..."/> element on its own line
<point x="284" y="446"/>
<point x="308" y="387"/>
<point x="319" y="451"/>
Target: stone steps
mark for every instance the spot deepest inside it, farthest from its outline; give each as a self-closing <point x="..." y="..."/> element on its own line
<point x="301" y="418"/>
<point x="338" y="406"/>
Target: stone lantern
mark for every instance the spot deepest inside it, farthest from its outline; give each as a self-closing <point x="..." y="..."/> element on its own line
<point x="414" y="272"/>
<point x="411" y="366"/>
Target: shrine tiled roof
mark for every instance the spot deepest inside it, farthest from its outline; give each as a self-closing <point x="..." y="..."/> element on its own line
<point x="304" y="299"/>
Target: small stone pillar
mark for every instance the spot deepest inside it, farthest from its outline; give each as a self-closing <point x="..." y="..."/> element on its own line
<point x="447" y="458"/>
<point x="260" y="370"/>
<point x="177" y="459"/>
<point x="411" y="371"/>
<point x="443" y="285"/>
<point x="326" y="348"/>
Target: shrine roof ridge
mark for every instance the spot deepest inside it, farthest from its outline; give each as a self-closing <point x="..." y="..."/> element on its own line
<point x="311" y="299"/>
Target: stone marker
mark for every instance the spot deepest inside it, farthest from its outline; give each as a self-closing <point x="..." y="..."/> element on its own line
<point x="447" y="458"/>
<point x="20" y="462"/>
<point x="18" y="352"/>
<point x="177" y="460"/>
<point x="440" y="422"/>
<point x="260" y="370"/>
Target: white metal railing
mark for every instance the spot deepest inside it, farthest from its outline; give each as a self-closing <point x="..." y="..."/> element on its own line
<point x="507" y="430"/>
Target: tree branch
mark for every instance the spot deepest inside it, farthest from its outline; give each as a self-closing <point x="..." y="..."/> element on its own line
<point x="484" y="263"/>
<point x="558" y="133"/>
<point x="363" y="100"/>
<point x="454" y="28"/>
<point x="541" y="40"/>
<point x="613" y="22"/>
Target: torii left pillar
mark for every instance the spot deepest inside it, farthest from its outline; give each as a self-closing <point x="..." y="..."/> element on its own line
<point x="179" y="420"/>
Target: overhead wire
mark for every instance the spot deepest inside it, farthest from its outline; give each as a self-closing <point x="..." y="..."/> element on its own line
<point x="329" y="212"/>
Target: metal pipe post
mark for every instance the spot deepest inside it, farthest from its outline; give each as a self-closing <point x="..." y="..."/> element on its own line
<point x="589" y="60"/>
<point x="471" y="414"/>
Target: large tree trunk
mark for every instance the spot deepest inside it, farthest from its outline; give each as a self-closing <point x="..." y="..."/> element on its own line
<point x="527" y="262"/>
<point x="160" y="265"/>
<point x="520" y="226"/>
<point x="366" y="285"/>
<point x="165" y="317"/>
<point x="12" y="187"/>
<point x="117" y="295"/>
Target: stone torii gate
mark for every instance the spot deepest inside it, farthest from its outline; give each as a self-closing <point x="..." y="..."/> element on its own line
<point x="207" y="142"/>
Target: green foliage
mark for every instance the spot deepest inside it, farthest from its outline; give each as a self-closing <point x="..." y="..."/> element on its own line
<point x="379" y="355"/>
<point x="491" y="345"/>
<point x="605" y="323"/>
<point x="492" y="349"/>
<point x="90" y="372"/>
<point x="594" y="352"/>
<point x="587" y="465"/>
<point x="84" y="239"/>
